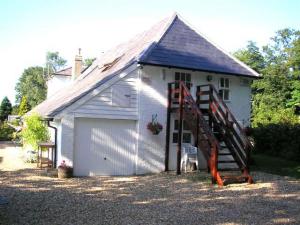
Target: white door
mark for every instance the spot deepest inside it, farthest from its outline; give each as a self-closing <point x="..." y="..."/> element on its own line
<point x="104" y="147"/>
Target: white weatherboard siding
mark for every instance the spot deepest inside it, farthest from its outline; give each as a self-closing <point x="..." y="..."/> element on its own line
<point x="58" y="125"/>
<point x="99" y="106"/>
<point x="117" y="101"/>
<point x="104" y="147"/>
<point x="66" y="140"/>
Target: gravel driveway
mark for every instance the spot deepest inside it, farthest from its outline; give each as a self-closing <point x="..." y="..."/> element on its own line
<point x="154" y="199"/>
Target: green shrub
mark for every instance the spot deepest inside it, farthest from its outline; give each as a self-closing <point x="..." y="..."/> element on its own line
<point x="6" y="132"/>
<point x="34" y="131"/>
<point x="280" y="140"/>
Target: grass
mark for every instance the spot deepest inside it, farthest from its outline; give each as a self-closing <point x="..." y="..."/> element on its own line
<point x="276" y="165"/>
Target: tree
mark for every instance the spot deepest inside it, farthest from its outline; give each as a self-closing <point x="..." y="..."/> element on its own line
<point x="32" y="84"/>
<point x="15" y="110"/>
<point x="24" y="107"/>
<point x="294" y="59"/>
<point x="88" y="61"/>
<point x="251" y="56"/>
<point x="34" y="131"/>
<point x="276" y="95"/>
<point x="294" y="100"/>
<point x="54" y="62"/>
<point x="277" y="51"/>
<point x="5" y="108"/>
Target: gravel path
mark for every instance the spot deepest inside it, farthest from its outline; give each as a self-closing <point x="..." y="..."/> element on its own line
<point x="11" y="157"/>
<point x="154" y="199"/>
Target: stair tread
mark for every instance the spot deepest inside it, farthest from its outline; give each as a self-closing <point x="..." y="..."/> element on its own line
<point x="226" y="161"/>
<point x="229" y="169"/>
<point x="234" y="179"/>
<point x="225" y="153"/>
<point x="234" y="176"/>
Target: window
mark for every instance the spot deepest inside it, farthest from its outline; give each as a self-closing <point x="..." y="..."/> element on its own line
<point x="109" y="65"/>
<point x="186" y="78"/>
<point x="186" y="133"/>
<point x="224" y="89"/>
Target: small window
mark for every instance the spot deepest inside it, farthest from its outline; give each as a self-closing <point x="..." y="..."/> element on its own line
<point x="186" y="137"/>
<point x="109" y="65"/>
<point x="244" y="82"/>
<point x="175" y="137"/>
<point x="184" y="125"/>
<point x="186" y="133"/>
<point x="186" y="78"/>
<point x="224" y="89"/>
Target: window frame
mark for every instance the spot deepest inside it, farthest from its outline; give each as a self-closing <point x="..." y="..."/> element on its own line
<point x="185" y="75"/>
<point x="185" y="131"/>
<point x="178" y="77"/>
<point x="226" y="87"/>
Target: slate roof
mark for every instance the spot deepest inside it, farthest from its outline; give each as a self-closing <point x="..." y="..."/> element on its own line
<point x="64" y="72"/>
<point x="183" y="47"/>
<point x="171" y="42"/>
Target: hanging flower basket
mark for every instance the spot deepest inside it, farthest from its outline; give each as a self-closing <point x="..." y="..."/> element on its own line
<point x="155" y="128"/>
<point x="64" y="171"/>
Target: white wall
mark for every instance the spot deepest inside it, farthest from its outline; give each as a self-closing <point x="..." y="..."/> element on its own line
<point x="148" y="96"/>
<point x="153" y="100"/>
<point x="56" y="83"/>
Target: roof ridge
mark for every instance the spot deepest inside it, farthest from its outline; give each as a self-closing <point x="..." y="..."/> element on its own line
<point x="170" y="22"/>
<point x="217" y="46"/>
<point x="66" y="68"/>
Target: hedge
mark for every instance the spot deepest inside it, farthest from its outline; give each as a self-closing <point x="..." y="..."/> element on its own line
<point x="6" y="132"/>
<point x="280" y="140"/>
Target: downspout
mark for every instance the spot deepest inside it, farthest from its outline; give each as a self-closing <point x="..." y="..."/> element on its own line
<point x="55" y="141"/>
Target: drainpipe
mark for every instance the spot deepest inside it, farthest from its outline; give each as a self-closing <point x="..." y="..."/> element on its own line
<point x="55" y="141"/>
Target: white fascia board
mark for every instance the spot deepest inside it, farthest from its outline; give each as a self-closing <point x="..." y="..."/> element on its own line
<point x="102" y="116"/>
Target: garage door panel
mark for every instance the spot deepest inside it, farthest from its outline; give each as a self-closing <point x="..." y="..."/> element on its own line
<point x="104" y="147"/>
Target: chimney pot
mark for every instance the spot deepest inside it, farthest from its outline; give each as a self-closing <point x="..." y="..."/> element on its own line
<point x="76" y="71"/>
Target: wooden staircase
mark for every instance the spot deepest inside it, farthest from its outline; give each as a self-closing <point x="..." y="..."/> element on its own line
<point x="217" y="134"/>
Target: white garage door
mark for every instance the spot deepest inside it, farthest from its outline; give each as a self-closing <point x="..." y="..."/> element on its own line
<point x="104" y="147"/>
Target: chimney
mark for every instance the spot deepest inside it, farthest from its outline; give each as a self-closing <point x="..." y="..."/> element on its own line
<point x="76" y="70"/>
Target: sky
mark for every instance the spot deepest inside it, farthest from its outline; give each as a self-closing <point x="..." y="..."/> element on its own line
<point x="30" y="28"/>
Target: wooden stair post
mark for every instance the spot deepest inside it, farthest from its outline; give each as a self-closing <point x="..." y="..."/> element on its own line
<point x="178" y="171"/>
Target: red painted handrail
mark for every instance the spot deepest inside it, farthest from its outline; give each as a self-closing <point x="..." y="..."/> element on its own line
<point x="190" y="106"/>
<point x="217" y="105"/>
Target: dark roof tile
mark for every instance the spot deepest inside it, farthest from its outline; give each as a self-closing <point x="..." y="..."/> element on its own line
<point x="181" y="46"/>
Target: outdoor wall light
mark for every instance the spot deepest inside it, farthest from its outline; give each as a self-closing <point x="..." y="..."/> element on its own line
<point x="209" y="77"/>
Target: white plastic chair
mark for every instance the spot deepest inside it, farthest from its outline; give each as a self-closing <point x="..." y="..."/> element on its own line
<point x="188" y="155"/>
